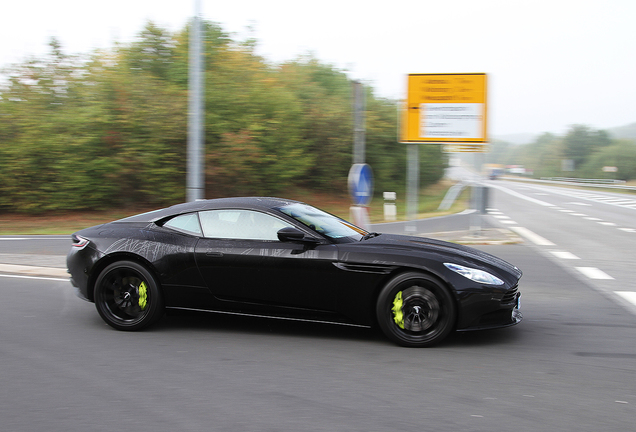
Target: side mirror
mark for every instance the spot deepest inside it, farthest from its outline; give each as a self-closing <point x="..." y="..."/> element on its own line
<point x="291" y="234"/>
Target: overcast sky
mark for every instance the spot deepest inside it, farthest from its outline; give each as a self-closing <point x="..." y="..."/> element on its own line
<point x="551" y="63"/>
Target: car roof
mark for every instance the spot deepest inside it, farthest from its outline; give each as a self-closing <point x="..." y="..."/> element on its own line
<point x="254" y="203"/>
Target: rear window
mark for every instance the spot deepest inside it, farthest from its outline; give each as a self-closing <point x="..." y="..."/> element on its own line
<point x="188" y="223"/>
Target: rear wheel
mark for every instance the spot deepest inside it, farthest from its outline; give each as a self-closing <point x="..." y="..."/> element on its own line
<point x="415" y="310"/>
<point x="127" y="296"/>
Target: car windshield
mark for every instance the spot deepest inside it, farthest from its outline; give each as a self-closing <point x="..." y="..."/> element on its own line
<point x="323" y="222"/>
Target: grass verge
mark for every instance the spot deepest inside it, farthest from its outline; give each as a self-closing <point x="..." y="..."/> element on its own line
<point x="67" y="223"/>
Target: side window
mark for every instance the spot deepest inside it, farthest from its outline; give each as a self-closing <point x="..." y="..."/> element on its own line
<point x="187" y="222"/>
<point x="241" y="224"/>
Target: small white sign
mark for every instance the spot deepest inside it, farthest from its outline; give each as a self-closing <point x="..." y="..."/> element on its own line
<point x="451" y="120"/>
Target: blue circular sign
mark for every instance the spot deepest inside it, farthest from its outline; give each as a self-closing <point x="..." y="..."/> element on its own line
<point x="361" y="184"/>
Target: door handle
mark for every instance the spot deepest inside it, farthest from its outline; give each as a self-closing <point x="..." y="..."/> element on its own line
<point x="214" y="254"/>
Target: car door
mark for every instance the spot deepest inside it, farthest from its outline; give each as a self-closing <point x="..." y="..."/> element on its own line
<point x="241" y="259"/>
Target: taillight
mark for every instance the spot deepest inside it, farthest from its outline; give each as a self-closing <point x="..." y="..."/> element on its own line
<point x="79" y="242"/>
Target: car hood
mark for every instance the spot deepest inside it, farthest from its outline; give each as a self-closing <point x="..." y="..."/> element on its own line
<point x="443" y="251"/>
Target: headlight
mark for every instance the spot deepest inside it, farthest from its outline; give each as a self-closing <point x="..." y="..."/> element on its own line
<point x="475" y="274"/>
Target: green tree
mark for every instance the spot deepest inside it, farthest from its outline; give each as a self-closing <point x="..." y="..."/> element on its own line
<point x="111" y="129"/>
<point x="545" y="155"/>
<point x="43" y="122"/>
<point x="152" y="53"/>
<point x="323" y="95"/>
<point x="621" y="154"/>
<point x="581" y="141"/>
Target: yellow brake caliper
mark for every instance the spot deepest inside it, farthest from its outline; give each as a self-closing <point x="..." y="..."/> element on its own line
<point x="143" y="295"/>
<point x="398" y="316"/>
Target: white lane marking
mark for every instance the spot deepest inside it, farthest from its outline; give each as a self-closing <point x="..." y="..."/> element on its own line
<point x="33" y="277"/>
<point x="495" y="213"/>
<point x="607" y="223"/>
<point x="509" y="222"/>
<point x="596" y="197"/>
<point x="518" y="195"/>
<point x="611" y="200"/>
<point x="500" y="217"/>
<point x="492" y="209"/>
<point x="628" y="229"/>
<point x="578" y="214"/>
<point x="580" y="203"/>
<point x="566" y="211"/>
<point x="594" y="273"/>
<point x="630" y="296"/>
<point x="617" y="201"/>
<point x="564" y="255"/>
<point x="592" y="218"/>
<point x="534" y="238"/>
<point x="541" y="194"/>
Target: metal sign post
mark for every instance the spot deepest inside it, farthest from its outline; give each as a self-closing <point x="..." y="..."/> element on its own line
<point x="361" y="188"/>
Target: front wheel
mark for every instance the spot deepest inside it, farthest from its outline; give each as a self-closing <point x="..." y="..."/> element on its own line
<point x="415" y="310"/>
<point x="127" y="296"/>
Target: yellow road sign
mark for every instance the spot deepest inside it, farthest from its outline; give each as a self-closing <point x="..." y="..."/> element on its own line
<point x="444" y="108"/>
<point x="465" y="148"/>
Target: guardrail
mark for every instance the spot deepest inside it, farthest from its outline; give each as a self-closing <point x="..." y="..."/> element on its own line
<point x="580" y="180"/>
<point x="598" y="183"/>
<point x="451" y="195"/>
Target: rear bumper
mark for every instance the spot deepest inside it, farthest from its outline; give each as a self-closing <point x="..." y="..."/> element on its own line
<point x="78" y="263"/>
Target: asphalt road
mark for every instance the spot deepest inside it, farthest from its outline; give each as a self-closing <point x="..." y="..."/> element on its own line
<point x="35" y="245"/>
<point x="570" y="365"/>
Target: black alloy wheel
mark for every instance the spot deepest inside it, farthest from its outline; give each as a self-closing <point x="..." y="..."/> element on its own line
<point x="127" y="296"/>
<point x="415" y="310"/>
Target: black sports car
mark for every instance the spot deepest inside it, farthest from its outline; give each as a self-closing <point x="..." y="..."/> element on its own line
<point x="286" y="259"/>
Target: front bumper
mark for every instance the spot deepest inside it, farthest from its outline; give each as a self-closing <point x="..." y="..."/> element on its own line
<point x="488" y="312"/>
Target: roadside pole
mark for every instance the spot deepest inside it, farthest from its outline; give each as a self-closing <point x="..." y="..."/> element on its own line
<point x="360" y="180"/>
<point x="413" y="186"/>
<point x="478" y="198"/>
<point x="195" y="178"/>
<point x="359" y="107"/>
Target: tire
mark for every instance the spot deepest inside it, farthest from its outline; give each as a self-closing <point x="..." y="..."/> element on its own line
<point x="415" y="310"/>
<point x="127" y="296"/>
